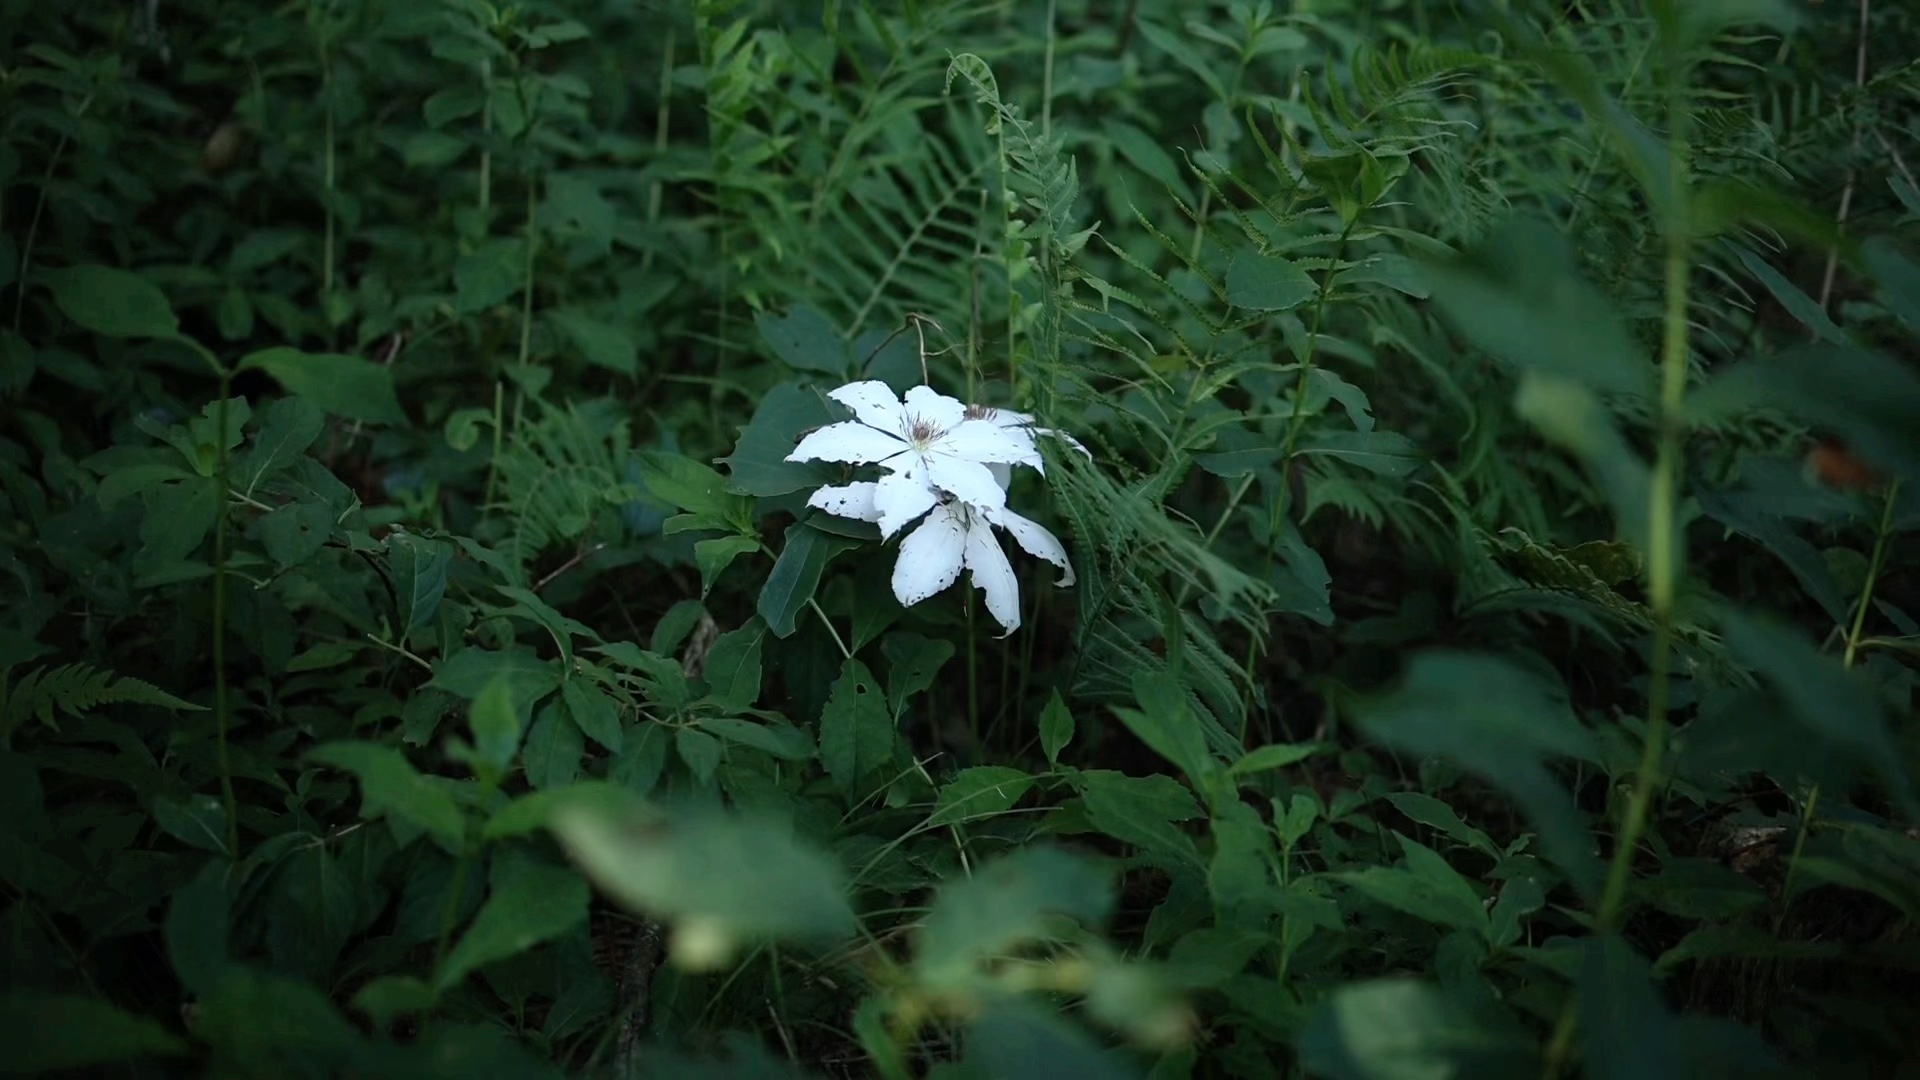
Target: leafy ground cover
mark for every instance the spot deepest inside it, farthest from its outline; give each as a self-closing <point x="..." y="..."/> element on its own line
<point x="751" y="538"/>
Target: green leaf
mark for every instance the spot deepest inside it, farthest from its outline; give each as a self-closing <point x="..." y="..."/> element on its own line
<point x="1400" y="1029"/>
<point x="1167" y="724"/>
<point x="1056" y="727"/>
<point x="419" y="567"/>
<point x="700" y="751"/>
<point x="758" y="464"/>
<point x="733" y="667"/>
<point x="349" y="386"/>
<point x="1433" y="813"/>
<point x="742" y="877"/>
<point x="531" y="902"/>
<point x="1700" y="889"/>
<point x="55" y="1032"/>
<point x="287" y="428"/>
<point x="1267" y="283"/>
<point x="796" y="574"/>
<point x="1833" y="703"/>
<point x="856" y="730"/>
<point x="593" y="712"/>
<point x="1008" y="902"/>
<point x="1501" y="721"/>
<point x="1140" y="811"/>
<point x="389" y="786"/>
<point x="496" y="719"/>
<point x="1798" y="304"/>
<point x="112" y="303"/>
<point x="1277" y="756"/>
<point x="783" y="741"/>
<point x="912" y="663"/>
<point x="1426" y="888"/>
<point x="602" y="344"/>
<point x="389" y="997"/>
<point x="714" y="555"/>
<point x="199" y="821"/>
<point x="486" y="276"/>
<point x="1518" y="297"/>
<point x="530" y="813"/>
<point x="196" y="928"/>
<point x="554" y="747"/>
<point x="685" y="483"/>
<point x="805" y="340"/>
<point x="1898" y="277"/>
<point x="1867" y="397"/>
<point x="1384" y="452"/>
<point x="1017" y="1039"/>
<point x="295" y="532"/>
<point x="980" y="792"/>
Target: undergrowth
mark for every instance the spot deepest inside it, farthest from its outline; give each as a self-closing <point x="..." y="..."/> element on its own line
<point x="1490" y="646"/>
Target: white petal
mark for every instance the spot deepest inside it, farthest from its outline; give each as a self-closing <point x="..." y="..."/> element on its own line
<point x="929" y="406"/>
<point x="968" y="481"/>
<point x="993" y="575"/>
<point x="930" y="558"/>
<point x="1002" y="474"/>
<point x="899" y="498"/>
<point x="848" y="441"/>
<point x="1034" y="539"/>
<point x="855" y="501"/>
<point x="981" y="441"/>
<point x="874" y="403"/>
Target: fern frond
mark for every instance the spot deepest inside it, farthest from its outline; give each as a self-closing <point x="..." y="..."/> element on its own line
<point x="76" y="689"/>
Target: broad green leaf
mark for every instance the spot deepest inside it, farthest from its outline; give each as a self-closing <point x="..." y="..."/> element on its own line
<point x="349" y="386"/>
<point x="559" y="627"/>
<point x="419" y="567"/>
<point x="1433" y="813"/>
<point x="593" y="712"/>
<point x="196" y="929"/>
<point x="294" y="533"/>
<point x="197" y="820"/>
<point x="496" y="720"/>
<point x="1384" y="452"/>
<point x="980" y="792"/>
<point x="700" y="751"/>
<point x="741" y="877"/>
<point x="1519" y="897"/>
<point x="111" y="302"/>
<point x="912" y="663"/>
<point x="733" y="667"/>
<point x="1499" y="720"/>
<point x="758" y="464"/>
<point x="1238" y="877"/>
<point x="1401" y="1029"/>
<point x="1426" y="888"/>
<point x="1571" y="416"/>
<point x="1518" y="297"/>
<point x="553" y="748"/>
<point x="783" y="741"/>
<point x="685" y="483"/>
<point x="486" y="276"/>
<point x="1141" y="811"/>
<point x="531" y="902"/>
<point x="1166" y="722"/>
<point x="57" y="1032"/>
<point x="389" y="786"/>
<point x="805" y="340"/>
<point x="1267" y="283"/>
<point x="796" y="574"/>
<point x="287" y="428"/>
<point x="1866" y="397"/>
<point x="1006" y="903"/>
<point x="602" y="344"/>
<point x="530" y="813"/>
<point x="856" y="730"/>
<point x="1056" y="727"/>
<point x="1277" y="756"/>
<point x="1833" y="703"/>
<point x="1144" y="152"/>
<point x="715" y="554"/>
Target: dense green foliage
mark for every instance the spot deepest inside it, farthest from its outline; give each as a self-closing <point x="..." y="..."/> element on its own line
<point x="1492" y="650"/>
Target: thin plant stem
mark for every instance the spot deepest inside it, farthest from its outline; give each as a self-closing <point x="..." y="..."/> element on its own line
<point x="33" y="221"/>
<point x="845" y="653"/>
<point x="1853" y="171"/>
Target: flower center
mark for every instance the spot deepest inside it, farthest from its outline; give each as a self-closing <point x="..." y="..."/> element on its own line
<point x="923" y="433"/>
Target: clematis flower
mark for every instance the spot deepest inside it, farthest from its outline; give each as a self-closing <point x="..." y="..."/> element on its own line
<point x="956" y="535"/>
<point x="1021" y="427"/>
<point x="927" y="445"/>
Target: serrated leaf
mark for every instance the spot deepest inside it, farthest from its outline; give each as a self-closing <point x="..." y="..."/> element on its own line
<point x="287" y="428"/>
<point x="531" y="902"/>
<point x="1386" y="453"/>
<point x="733" y="667"/>
<point x="553" y="747"/>
<point x="1267" y="283"/>
<point x="979" y="792"/>
<point x="856" y="729"/>
<point x="913" y="661"/>
<point x="700" y="751"/>
<point x="593" y="712"/>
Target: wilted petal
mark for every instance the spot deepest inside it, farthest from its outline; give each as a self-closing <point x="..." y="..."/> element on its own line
<point x="848" y="441"/>
<point x="899" y="498"/>
<point x="928" y="406"/>
<point x="1034" y="539"/>
<point x="930" y="558"/>
<point x="978" y="440"/>
<point x="854" y="500"/>
<point x="875" y="403"/>
<point x="968" y="481"/>
<point x="993" y="575"/>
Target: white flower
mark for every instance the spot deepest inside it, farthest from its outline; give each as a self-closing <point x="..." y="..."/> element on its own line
<point x="956" y="535"/>
<point x="1020" y="427"/>
<point x="928" y="445"/>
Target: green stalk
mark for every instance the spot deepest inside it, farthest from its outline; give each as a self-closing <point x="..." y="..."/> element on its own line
<point x="222" y="718"/>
